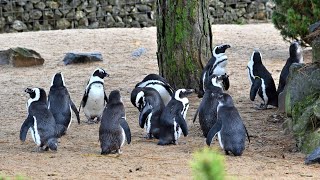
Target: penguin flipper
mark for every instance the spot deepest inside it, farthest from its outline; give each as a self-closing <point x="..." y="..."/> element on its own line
<point x="183" y="125"/>
<point x="74" y="109"/>
<point x="126" y="128"/>
<point x="226" y="82"/>
<point x="254" y="88"/>
<point x="213" y="131"/>
<point x="25" y="127"/>
<point x="106" y="98"/>
<point x="247" y="133"/>
<point x="144" y="115"/>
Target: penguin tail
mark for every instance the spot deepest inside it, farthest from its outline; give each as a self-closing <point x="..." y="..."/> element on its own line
<point x="53" y="144"/>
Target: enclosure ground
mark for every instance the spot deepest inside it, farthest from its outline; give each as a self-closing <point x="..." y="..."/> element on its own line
<point x="270" y="155"/>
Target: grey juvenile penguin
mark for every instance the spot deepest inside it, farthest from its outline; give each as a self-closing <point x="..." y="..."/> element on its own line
<point x="60" y="104"/>
<point x="229" y="127"/>
<point x="114" y="129"/>
<point x="40" y="121"/>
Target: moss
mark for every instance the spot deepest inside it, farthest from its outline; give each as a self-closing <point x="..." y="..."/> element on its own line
<point x="311" y="141"/>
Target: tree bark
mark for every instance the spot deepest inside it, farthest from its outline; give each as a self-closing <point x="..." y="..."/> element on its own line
<point x="184" y="41"/>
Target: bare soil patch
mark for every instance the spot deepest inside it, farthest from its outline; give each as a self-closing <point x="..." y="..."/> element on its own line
<point x="270" y="155"/>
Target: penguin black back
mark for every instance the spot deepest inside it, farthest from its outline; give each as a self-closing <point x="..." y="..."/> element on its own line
<point x="113" y="128"/>
<point x="295" y="53"/>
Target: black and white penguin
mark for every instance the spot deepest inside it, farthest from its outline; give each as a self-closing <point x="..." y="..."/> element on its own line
<point x="156" y="82"/>
<point x="216" y="65"/>
<point x="229" y="127"/>
<point x="295" y="53"/>
<point x="60" y="104"/>
<point x="94" y="98"/>
<point x="40" y="121"/>
<point x="151" y="111"/>
<point x="261" y="82"/>
<point x="173" y="118"/>
<point x="208" y="106"/>
<point x="114" y="129"/>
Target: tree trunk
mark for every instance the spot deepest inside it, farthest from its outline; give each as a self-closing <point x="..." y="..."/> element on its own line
<point x="184" y="41"/>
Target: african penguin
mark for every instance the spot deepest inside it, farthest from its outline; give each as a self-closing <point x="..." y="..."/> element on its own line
<point x="156" y="82"/>
<point x="151" y="111"/>
<point x="60" y="104"/>
<point x="39" y="121"/>
<point x="216" y="65"/>
<point x="173" y="118"/>
<point x="94" y="98"/>
<point x="295" y="53"/>
<point x="208" y="105"/>
<point x="229" y="127"/>
<point x="114" y="129"/>
<point x="261" y="82"/>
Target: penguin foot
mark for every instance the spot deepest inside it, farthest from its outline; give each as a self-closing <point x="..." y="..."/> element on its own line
<point x="90" y="121"/>
<point x="98" y="119"/>
<point x="119" y="151"/>
<point x="149" y="136"/>
<point x="227" y="152"/>
<point x="262" y="107"/>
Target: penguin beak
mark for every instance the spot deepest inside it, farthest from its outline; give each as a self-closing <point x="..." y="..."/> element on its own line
<point x="107" y="75"/>
<point x="28" y="90"/>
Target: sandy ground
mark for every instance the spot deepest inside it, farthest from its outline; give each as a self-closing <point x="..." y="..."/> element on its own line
<point x="270" y="155"/>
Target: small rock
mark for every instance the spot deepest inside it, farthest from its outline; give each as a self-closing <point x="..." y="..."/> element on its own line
<point x="75" y="58"/>
<point x="138" y="52"/>
<point x="63" y="23"/>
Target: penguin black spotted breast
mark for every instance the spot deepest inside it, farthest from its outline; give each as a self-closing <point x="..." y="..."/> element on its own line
<point x="94" y="98"/>
<point x="261" y="82"/>
<point x="296" y="56"/>
<point x="114" y="129"/>
<point x="208" y="105"/>
<point x="229" y="127"/>
<point x="216" y="65"/>
<point x="39" y="121"/>
<point x="173" y="118"/>
<point x="60" y="104"/>
<point x="156" y="82"/>
<point x="151" y="111"/>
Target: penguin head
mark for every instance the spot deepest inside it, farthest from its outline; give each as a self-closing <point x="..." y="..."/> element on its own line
<point x="295" y="50"/>
<point x="53" y="144"/>
<point x="256" y="57"/>
<point x="216" y="81"/>
<point x="114" y="97"/>
<point x="224" y="99"/>
<point x="101" y="73"/>
<point x="58" y="80"/>
<point x="182" y="93"/>
<point x="221" y="49"/>
<point x="137" y="96"/>
<point x="36" y="94"/>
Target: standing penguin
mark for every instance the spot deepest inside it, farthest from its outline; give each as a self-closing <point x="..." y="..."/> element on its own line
<point x="151" y="111"/>
<point x="261" y="82"/>
<point x="156" y="82"/>
<point x="40" y="121"/>
<point x="295" y="53"/>
<point x="94" y="98"/>
<point x="229" y="127"/>
<point x="60" y="104"/>
<point x="216" y="65"/>
<point x="173" y="118"/>
<point x="208" y="106"/>
<point x="114" y="129"/>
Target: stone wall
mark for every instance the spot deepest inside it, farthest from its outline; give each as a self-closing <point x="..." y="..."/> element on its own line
<point x="31" y="15"/>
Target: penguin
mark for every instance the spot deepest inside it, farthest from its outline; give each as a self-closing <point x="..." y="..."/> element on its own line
<point x="151" y="111"/>
<point x="208" y="105"/>
<point x="158" y="83"/>
<point x="173" y="118"/>
<point x="94" y="98"/>
<point x="60" y="104"/>
<point x="261" y="82"/>
<point x="229" y="127"/>
<point x="216" y="65"/>
<point x="114" y="129"/>
<point x="39" y="121"/>
<point x="296" y="56"/>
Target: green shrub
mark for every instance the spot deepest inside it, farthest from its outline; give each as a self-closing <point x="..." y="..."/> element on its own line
<point x="293" y="18"/>
<point x="208" y="164"/>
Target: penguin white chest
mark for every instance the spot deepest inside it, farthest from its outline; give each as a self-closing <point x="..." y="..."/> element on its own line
<point x="148" y="123"/>
<point x="177" y="130"/>
<point x="34" y="132"/>
<point x="220" y="69"/>
<point x="123" y="137"/>
<point x="95" y="102"/>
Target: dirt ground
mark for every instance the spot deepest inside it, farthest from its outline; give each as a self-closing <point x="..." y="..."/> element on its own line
<point x="270" y="155"/>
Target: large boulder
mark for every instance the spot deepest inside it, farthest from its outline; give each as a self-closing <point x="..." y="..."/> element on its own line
<point x="302" y="104"/>
<point x="76" y="58"/>
<point x="20" y="57"/>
